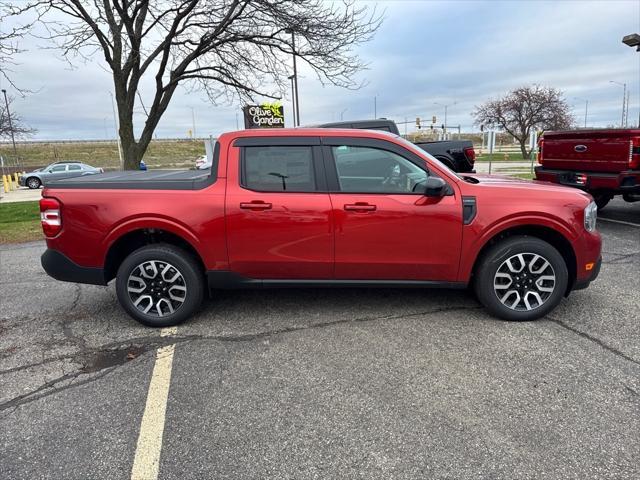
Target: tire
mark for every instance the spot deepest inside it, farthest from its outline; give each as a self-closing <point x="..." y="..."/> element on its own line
<point x="602" y="199"/>
<point x="160" y="285"/>
<point x="447" y="163"/>
<point x="532" y="298"/>
<point x="33" y="183"/>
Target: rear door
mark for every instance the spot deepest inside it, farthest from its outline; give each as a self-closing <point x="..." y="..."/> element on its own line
<point x="605" y="151"/>
<point x="385" y="228"/>
<point x="278" y="211"/>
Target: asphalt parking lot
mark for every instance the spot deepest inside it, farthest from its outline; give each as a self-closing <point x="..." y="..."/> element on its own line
<point x="322" y="383"/>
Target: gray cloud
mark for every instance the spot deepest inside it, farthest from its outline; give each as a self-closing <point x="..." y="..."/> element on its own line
<point x="426" y="52"/>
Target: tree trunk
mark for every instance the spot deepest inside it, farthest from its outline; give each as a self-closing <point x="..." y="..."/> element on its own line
<point x="523" y="149"/>
<point x="131" y="153"/>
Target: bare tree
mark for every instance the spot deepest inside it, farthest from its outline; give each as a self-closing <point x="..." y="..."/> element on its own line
<point x="14" y="125"/>
<point x="224" y="48"/>
<point x="10" y="35"/>
<point x="524" y="109"/>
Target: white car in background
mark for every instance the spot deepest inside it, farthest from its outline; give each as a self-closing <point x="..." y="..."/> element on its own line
<point x="202" y="163"/>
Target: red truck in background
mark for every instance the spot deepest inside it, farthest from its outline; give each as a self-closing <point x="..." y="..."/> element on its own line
<point x="316" y="208"/>
<point x="603" y="162"/>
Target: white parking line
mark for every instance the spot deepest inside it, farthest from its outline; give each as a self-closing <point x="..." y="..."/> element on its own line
<point x="146" y="463"/>
<point x="631" y="224"/>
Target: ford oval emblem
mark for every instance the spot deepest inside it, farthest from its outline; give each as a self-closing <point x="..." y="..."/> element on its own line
<point x="580" y="148"/>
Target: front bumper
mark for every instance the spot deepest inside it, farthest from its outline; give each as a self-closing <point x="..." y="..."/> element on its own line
<point x="622" y="182"/>
<point x="584" y="282"/>
<point x="60" y="267"/>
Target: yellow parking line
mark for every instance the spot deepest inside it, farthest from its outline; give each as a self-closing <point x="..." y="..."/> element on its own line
<point x="146" y="463"/>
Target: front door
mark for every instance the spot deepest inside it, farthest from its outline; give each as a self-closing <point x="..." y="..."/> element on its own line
<point x="386" y="229"/>
<point x="279" y="219"/>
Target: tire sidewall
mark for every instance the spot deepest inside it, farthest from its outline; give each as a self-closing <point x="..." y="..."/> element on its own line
<point x="182" y="261"/>
<point x="500" y="252"/>
<point x="27" y="183"/>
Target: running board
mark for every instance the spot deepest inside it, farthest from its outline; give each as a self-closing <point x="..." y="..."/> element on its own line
<point x="218" y="279"/>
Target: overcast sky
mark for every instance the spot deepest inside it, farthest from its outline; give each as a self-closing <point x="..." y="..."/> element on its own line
<point x="425" y="52"/>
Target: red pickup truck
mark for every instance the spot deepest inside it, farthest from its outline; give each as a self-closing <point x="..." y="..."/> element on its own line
<point x="318" y="207"/>
<point x="603" y="162"/>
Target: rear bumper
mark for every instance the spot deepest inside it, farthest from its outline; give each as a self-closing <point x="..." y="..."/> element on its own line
<point x="60" y="267"/>
<point x="622" y="182"/>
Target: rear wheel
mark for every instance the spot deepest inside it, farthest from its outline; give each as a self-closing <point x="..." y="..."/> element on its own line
<point x="160" y="285"/>
<point x="33" y="183"/>
<point x="602" y="199"/>
<point x="521" y="278"/>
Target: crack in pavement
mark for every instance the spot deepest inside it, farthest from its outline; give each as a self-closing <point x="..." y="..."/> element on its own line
<point x="593" y="339"/>
<point x="110" y="356"/>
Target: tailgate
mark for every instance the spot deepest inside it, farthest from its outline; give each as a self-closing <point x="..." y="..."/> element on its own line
<point x="586" y="151"/>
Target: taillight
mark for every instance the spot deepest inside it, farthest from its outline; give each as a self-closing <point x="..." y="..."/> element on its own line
<point x="470" y="153"/>
<point x="50" y="216"/>
<point x="540" y="144"/>
<point x="634" y="152"/>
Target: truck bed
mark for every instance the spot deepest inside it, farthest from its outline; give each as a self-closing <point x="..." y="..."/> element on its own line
<point x="140" y="180"/>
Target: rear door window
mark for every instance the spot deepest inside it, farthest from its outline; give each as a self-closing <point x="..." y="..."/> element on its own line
<point x="278" y="169"/>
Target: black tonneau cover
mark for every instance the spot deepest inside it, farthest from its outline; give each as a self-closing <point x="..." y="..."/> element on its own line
<point x="140" y="180"/>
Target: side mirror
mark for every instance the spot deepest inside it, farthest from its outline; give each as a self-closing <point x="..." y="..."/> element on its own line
<point x="435" y="187"/>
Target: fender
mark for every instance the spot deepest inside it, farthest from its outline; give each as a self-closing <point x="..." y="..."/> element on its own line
<point x="527" y="219"/>
<point x="154" y="221"/>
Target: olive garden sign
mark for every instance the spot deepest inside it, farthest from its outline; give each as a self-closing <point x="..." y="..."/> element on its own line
<point x="265" y="115"/>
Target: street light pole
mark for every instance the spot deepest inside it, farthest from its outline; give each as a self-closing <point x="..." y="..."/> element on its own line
<point x="295" y="79"/>
<point x="293" y="99"/>
<point x="624" y="99"/>
<point x="375" y="106"/>
<point x="13" y="139"/>
<point x="633" y="40"/>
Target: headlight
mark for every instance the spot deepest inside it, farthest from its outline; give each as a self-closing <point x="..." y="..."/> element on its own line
<point x="590" y="216"/>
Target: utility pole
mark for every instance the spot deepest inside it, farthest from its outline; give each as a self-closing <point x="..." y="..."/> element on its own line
<point x="586" y="109"/>
<point x="624" y="100"/>
<point x="375" y="106"/>
<point x="444" y="130"/>
<point x="13" y="139"/>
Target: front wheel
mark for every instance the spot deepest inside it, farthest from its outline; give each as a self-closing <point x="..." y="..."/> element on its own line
<point x="602" y="199"/>
<point x="160" y="285"/>
<point x="33" y="183"/>
<point x="521" y="278"/>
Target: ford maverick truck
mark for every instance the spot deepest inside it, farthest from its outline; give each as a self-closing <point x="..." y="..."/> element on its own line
<point x="318" y="208"/>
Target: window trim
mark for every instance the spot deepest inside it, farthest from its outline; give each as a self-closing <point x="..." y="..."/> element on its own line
<point x="332" y="171"/>
<point x="320" y="178"/>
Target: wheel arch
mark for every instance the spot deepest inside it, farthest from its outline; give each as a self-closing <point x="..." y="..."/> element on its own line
<point x="547" y="234"/>
<point x="131" y="240"/>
